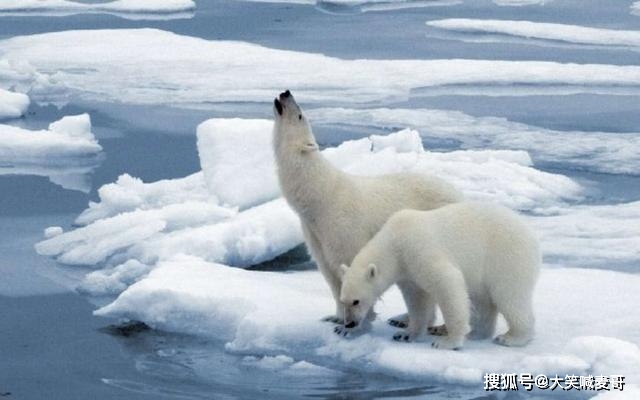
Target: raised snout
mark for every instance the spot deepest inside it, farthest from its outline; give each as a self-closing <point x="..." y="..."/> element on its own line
<point x="279" y="102"/>
<point x="284" y="95"/>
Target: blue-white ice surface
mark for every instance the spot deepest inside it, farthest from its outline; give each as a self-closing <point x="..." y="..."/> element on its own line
<point x="578" y="181"/>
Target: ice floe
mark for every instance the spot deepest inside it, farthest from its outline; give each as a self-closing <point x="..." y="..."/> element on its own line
<point x="66" y="153"/>
<point x="278" y="314"/>
<point x="542" y="31"/>
<point x="12" y="104"/>
<point x="635" y="8"/>
<point x="100" y="67"/>
<point x="130" y="9"/>
<point x="608" y="152"/>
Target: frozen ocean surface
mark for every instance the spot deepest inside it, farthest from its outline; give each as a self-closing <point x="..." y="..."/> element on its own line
<point x="160" y="184"/>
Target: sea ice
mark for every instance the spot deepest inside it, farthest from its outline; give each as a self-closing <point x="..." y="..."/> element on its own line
<point x="12" y="104"/>
<point x="99" y="67"/>
<point x="168" y="248"/>
<point x="150" y="222"/>
<point x="520" y="2"/>
<point x="279" y="313"/>
<point x="606" y="236"/>
<point x="228" y="148"/>
<point x="609" y="152"/>
<point x="66" y="153"/>
<point x="543" y="31"/>
<point x="53" y="231"/>
<point x="352" y="6"/>
<point x="130" y="9"/>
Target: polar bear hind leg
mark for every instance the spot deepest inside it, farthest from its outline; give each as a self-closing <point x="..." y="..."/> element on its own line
<point x="518" y="312"/>
<point x="483" y="318"/>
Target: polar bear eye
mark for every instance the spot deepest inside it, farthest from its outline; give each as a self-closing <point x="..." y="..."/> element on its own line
<point x="300" y="117"/>
<point x="356" y="302"/>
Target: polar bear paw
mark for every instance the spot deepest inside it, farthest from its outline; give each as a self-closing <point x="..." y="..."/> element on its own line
<point x="447" y="343"/>
<point x="342" y="331"/>
<point x="399" y="321"/>
<point x="402" y="336"/>
<point x="511" y="340"/>
<point x="440" y="330"/>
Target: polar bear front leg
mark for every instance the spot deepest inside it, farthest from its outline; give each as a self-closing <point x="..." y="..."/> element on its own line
<point x="421" y="306"/>
<point x="451" y="293"/>
<point x="332" y="278"/>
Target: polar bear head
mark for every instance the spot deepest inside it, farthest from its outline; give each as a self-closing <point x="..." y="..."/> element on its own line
<point x="292" y="129"/>
<point x="358" y="293"/>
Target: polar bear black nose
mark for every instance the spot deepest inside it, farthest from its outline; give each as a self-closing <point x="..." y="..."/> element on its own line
<point x="284" y="95"/>
<point x="351" y="324"/>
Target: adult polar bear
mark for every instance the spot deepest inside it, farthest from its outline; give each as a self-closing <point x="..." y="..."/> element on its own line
<point x="340" y="212"/>
<point x="461" y="255"/>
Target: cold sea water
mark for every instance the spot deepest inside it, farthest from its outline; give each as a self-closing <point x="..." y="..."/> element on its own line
<point x="51" y="346"/>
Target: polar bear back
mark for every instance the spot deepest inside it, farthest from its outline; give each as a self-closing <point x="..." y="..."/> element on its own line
<point x="490" y="244"/>
<point x="357" y="210"/>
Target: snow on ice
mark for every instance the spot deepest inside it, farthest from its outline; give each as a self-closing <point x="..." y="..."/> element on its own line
<point x="594" y="151"/>
<point x="542" y="30"/>
<point x="65" y="153"/>
<point x="130" y="9"/>
<point x="99" y="67"/>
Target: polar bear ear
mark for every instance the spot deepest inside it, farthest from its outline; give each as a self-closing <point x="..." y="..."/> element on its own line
<point x="309" y="147"/>
<point x="342" y="270"/>
<point x="372" y="271"/>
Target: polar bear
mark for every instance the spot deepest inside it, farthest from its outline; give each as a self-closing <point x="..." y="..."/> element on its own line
<point x="464" y="256"/>
<point x="340" y="212"/>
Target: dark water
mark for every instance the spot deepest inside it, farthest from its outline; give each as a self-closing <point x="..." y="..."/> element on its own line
<point x="50" y="344"/>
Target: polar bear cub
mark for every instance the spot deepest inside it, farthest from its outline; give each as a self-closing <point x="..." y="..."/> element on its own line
<point x="465" y="256"/>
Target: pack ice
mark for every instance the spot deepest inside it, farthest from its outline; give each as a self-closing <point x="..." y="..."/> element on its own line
<point x="167" y="250"/>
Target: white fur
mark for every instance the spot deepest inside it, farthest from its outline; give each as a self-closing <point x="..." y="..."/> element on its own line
<point x="340" y="212"/>
<point x="465" y="256"/>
